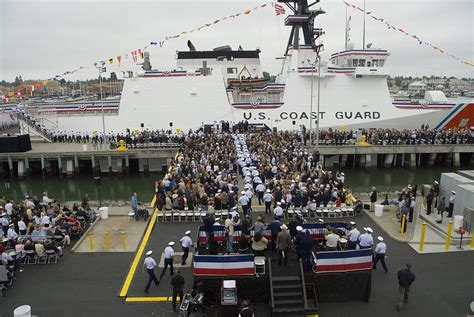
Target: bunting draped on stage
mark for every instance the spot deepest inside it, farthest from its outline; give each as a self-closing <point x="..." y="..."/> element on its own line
<point x="403" y="31"/>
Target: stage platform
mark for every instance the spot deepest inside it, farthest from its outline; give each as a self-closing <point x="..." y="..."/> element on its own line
<point x="15" y="143"/>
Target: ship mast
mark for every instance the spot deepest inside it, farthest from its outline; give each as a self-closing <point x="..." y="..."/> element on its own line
<point x="347" y="33"/>
<point x="302" y="19"/>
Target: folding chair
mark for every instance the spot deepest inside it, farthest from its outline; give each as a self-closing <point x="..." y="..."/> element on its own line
<point x="160" y="216"/>
<point x="182" y="216"/>
<point x="52" y="256"/>
<point x="319" y="213"/>
<point x="43" y="259"/>
<point x="197" y="216"/>
<point x="30" y="257"/>
<point x="176" y="215"/>
<point x="337" y="213"/>
<point x="291" y="214"/>
<point x="351" y="212"/>
<point x="4" y="279"/>
<point x="190" y="215"/>
<point x="168" y="216"/>
<point x="311" y="213"/>
<point x="305" y="213"/>
<point x="344" y="212"/>
<point x="325" y="213"/>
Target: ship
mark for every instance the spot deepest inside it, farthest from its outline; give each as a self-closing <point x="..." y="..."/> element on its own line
<point x="204" y="87"/>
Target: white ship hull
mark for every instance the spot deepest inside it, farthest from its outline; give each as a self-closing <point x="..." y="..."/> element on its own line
<point x="187" y="102"/>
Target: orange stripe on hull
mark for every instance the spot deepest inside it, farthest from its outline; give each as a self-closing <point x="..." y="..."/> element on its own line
<point x="463" y="119"/>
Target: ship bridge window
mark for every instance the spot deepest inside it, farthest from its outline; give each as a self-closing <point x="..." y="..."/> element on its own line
<point x="368" y="63"/>
<point x="273" y="97"/>
<point x="361" y="63"/>
<point x="231" y="70"/>
<point x="375" y="63"/>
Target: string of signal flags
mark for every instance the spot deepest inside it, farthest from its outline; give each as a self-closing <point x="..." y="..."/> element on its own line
<point x="403" y="31"/>
<point x="138" y="54"/>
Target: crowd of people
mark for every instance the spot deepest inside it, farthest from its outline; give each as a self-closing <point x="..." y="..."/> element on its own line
<point x="382" y="136"/>
<point x="131" y="139"/>
<point x="275" y="171"/>
<point x="37" y="228"/>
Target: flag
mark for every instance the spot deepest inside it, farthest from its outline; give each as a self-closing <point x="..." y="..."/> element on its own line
<point x="134" y="56"/>
<point x="119" y="59"/>
<point x="140" y="52"/>
<point x="247" y="12"/>
<point x="279" y="9"/>
<point x="111" y="60"/>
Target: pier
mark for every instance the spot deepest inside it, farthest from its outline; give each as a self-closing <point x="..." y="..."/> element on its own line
<point x="455" y="155"/>
<point x="74" y="158"/>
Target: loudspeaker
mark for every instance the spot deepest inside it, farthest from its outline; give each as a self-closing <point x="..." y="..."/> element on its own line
<point x="171" y="124"/>
<point x="98" y="180"/>
<point x="294" y="122"/>
<point x="142" y="125"/>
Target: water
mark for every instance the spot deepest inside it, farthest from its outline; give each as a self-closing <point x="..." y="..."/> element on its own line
<point x="121" y="187"/>
<point x="73" y="189"/>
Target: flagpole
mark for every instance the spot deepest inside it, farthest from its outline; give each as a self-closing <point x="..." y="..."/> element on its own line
<point x="363" y="38"/>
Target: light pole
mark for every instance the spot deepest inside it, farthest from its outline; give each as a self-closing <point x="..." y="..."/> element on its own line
<point x="101" y="69"/>
<point x="319" y="100"/>
<point x="313" y="69"/>
<point x="363" y="32"/>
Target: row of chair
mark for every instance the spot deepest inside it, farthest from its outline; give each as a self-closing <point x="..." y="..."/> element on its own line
<point x="31" y="257"/>
<point x="325" y="212"/>
<point x="187" y="216"/>
<point x="197" y="216"/>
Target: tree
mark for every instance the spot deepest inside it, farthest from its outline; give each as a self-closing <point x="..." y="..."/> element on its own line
<point x="398" y="81"/>
<point x="17" y="81"/>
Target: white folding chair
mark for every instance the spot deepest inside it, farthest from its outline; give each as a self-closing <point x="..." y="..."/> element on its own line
<point x="197" y="216"/>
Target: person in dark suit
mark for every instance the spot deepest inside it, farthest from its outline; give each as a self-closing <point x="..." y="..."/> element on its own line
<point x="177" y="284"/>
<point x="405" y="278"/>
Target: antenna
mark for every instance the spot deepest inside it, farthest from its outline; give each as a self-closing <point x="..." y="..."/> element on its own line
<point x="348" y="29"/>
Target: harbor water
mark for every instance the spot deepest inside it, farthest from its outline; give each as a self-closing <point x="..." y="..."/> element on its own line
<point x="119" y="188"/>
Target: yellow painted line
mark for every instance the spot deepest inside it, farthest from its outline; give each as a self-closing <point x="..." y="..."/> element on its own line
<point x="153" y="202"/>
<point x="148" y="299"/>
<point x="138" y="255"/>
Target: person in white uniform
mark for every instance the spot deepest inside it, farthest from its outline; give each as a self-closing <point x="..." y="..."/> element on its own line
<point x="366" y="240"/>
<point x="353" y="237"/>
<point x="186" y="243"/>
<point x="169" y="254"/>
<point x="149" y="264"/>
<point x="380" y="251"/>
